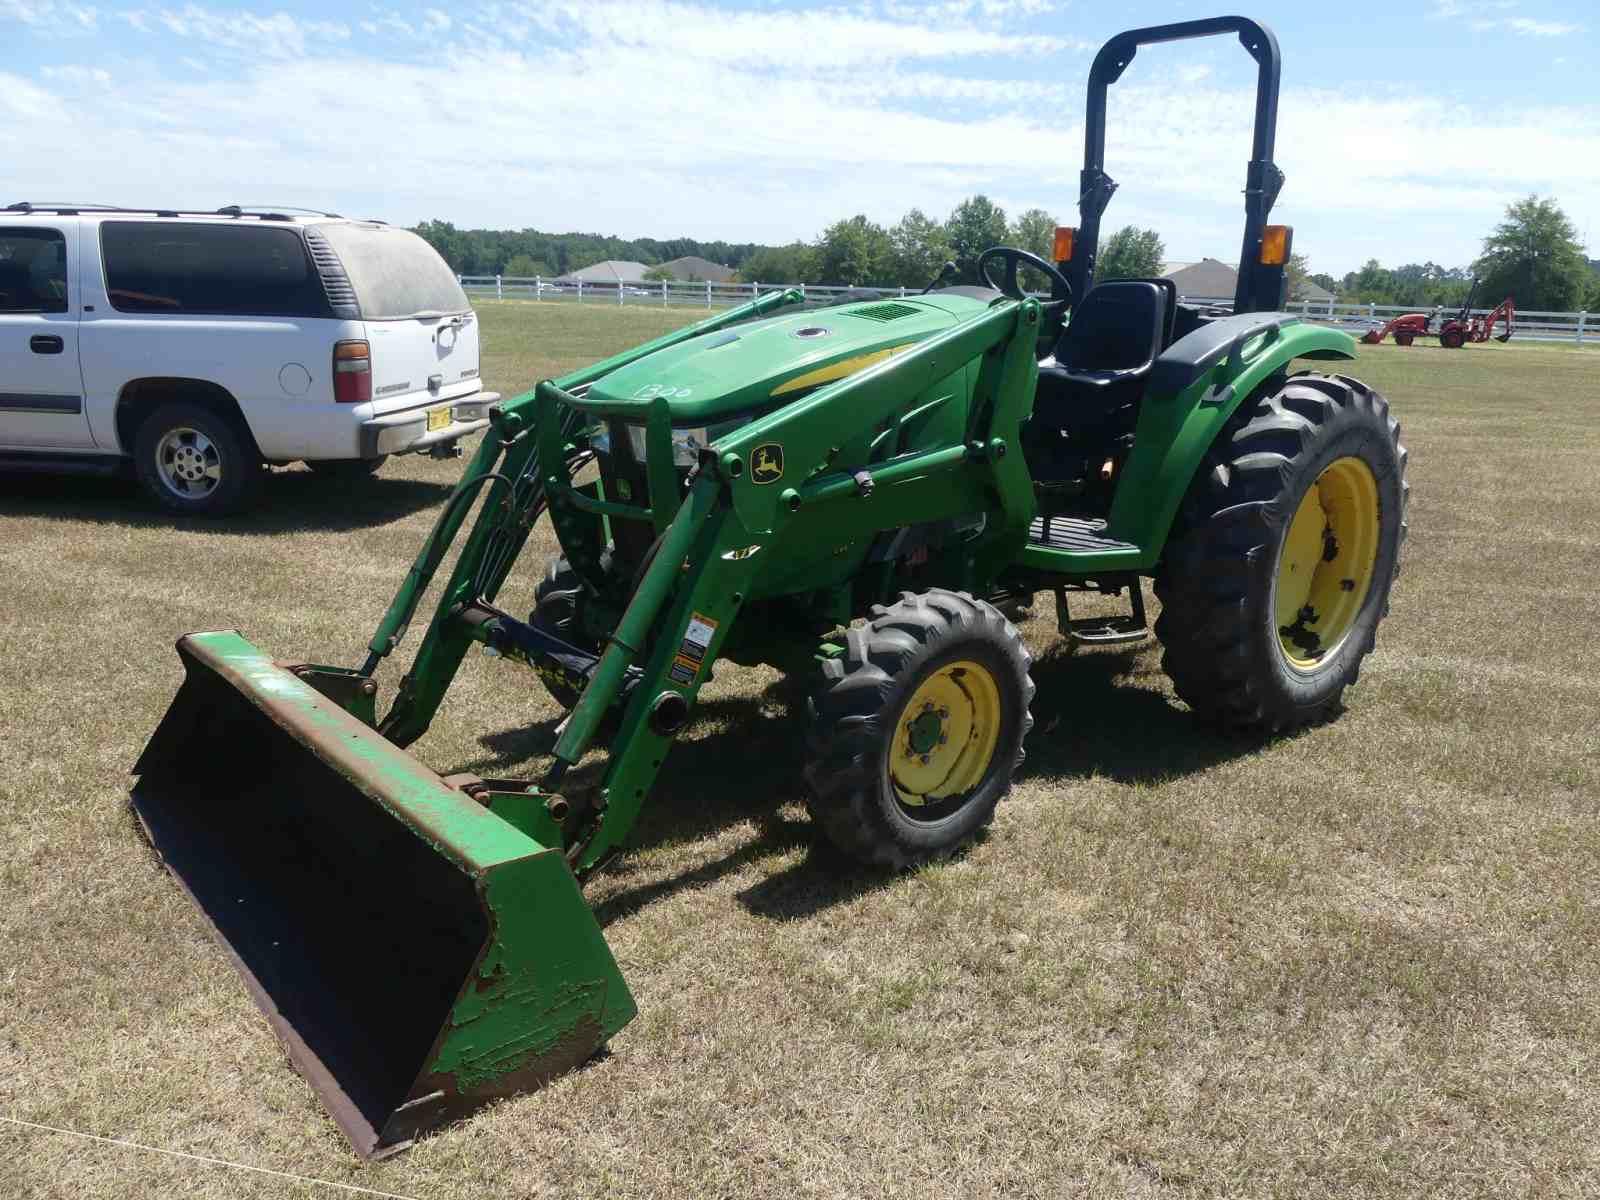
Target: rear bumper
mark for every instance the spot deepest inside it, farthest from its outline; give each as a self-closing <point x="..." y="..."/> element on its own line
<point x="407" y="431"/>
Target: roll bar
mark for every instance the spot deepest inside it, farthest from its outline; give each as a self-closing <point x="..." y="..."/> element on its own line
<point x="1263" y="178"/>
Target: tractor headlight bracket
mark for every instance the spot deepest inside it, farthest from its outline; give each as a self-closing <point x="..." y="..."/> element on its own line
<point x="687" y="441"/>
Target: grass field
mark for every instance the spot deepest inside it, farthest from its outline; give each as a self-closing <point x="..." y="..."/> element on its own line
<point x="1362" y="961"/>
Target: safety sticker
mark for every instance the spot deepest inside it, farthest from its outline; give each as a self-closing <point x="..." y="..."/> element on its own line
<point x="691" y="655"/>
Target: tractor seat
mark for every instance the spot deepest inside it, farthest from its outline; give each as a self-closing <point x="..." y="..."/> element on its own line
<point x="1114" y="336"/>
<point x="1087" y="398"/>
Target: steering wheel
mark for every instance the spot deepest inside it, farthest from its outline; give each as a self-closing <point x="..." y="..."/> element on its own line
<point x="1054" y="309"/>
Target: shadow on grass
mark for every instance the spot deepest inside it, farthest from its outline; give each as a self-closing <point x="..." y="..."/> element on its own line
<point x="291" y="501"/>
<point x="744" y="771"/>
<point x="1088" y="721"/>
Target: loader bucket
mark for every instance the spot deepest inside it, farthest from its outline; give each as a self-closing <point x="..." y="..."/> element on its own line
<point x="415" y="953"/>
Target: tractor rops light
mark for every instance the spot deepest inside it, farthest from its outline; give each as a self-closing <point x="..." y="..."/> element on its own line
<point x="1063" y="244"/>
<point x="1275" y="245"/>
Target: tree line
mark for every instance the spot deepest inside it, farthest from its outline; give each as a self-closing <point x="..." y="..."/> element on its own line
<point x="1533" y="254"/>
<point x="854" y="252"/>
<point x="530" y="252"/>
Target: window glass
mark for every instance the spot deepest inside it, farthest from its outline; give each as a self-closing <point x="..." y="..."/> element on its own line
<point x="33" y="271"/>
<point x="395" y="273"/>
<point x="221" y="270"/>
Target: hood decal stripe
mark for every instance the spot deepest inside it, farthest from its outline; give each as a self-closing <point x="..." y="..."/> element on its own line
<point x="838" y="370"/>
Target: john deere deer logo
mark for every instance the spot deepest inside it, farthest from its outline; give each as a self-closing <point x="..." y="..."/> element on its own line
<point x="766" y="463"/>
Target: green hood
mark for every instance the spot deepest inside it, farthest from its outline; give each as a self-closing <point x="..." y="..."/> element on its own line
<point x="754" y="367"/>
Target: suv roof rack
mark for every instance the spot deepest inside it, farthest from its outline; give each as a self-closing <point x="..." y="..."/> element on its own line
<point x="69" y="208"/>
<point x="239" y="210"/>
<point x="27" y="206"/>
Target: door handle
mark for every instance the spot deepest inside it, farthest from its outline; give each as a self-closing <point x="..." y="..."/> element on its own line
<point x="46" y="343"/>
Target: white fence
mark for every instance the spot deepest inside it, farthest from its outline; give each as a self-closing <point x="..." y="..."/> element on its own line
<point x="1530" y="326"/>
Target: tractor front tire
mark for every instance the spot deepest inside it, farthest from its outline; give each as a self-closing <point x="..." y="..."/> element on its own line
<point x="917" y="729"/>
<point x="1280" y="566"/>
<point x="555" y="610"/>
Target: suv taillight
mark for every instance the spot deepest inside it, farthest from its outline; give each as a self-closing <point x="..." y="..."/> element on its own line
<point x="352" y="372"/>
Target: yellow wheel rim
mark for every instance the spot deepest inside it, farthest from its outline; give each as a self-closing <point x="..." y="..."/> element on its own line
<point x="945" y="736"/>
<point x="1326" y="562"/>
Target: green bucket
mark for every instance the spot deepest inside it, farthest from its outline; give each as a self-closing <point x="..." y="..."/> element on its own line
<point x="416" y="954"/>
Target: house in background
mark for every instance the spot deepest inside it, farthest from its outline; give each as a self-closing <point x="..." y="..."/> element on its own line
<point x="1208" y="279"/>
<point x="1213" y="279"/>
<point x="612" y="271"/>
<point x="691" y="268"/>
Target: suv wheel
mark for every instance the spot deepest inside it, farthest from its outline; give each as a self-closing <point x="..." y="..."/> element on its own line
<point x="196" y="462"/>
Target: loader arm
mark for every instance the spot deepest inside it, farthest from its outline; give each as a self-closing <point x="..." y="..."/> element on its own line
<point x="702" y="575"/>
<point x="508" y="470"/>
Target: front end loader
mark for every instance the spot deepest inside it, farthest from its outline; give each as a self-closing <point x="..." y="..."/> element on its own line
<point x="856" y="495"/>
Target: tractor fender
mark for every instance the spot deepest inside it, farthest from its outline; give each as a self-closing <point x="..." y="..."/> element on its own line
<point x="1193" y="388"/>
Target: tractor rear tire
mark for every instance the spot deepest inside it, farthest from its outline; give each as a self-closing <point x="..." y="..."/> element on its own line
<point x="917" y="729"/>
<point x="1281" y="563"/>
<point x="1452" y="339"/>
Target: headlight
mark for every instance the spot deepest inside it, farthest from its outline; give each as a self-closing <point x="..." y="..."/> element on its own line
<point x="686" y="444"/>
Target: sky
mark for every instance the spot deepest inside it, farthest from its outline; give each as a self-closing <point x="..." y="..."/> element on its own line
<point x="1404" y="129"/>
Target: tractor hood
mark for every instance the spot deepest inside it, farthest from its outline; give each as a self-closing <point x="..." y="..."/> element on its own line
<point x="758" y="366"/>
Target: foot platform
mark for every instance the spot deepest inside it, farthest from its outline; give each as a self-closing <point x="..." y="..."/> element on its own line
<point x="1105" y="631"/>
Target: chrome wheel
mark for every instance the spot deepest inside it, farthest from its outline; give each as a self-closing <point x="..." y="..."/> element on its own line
<point x="188" y="463"/>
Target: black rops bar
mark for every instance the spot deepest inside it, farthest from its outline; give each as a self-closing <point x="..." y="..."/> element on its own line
<point x="1263" y="179"/>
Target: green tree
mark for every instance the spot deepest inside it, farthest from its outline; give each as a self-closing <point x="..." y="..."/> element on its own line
<point x="976" y="224"/>
<point x="794" y="263"/>
<point x="1131" y="253"/>
<point x="1373" y="284"/>
<point x="920" y="249"/>
<point x="1534" y="255"/>
<point x="855" y="251"/>
<point x="521" y="266"/>
<point x="1035" y="232"/>
<point x="659" y="275"/>
<point x="1298" y="269"/>
<point x="449" y="241"/>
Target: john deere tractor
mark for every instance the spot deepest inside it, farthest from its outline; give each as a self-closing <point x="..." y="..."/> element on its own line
<point x="856" y="495"/>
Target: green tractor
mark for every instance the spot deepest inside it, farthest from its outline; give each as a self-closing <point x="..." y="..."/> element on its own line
<point x="855" y="494"/>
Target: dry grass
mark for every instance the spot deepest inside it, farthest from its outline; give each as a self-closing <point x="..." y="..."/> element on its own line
<point x="1360" y="961"/>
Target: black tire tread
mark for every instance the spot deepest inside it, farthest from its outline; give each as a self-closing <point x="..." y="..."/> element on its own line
<point x="244" y="473"/>
<point x="850" y="718"/>
<point x="1229" y="525"/>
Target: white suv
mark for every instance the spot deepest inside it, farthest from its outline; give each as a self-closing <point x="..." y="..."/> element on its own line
<point x="201" y="346"/>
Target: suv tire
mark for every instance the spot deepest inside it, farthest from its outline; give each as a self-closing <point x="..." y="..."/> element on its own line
<point x="195" y="462"/>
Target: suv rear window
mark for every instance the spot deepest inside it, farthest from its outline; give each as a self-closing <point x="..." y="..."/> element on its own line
<point x="394" y="272"/>
<point x="33" y="271"/>
<point x="219" y="270"/>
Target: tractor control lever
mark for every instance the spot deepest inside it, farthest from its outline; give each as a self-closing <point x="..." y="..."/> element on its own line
<point x="948" y="271"/>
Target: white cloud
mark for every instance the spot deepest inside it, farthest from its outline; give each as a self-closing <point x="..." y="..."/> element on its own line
<point x="1532" y="28"/>
<point x="691" y="120"/>
<point x="77" y="74"/>
<point x="1476" y="14"/>
<point x="273" y="35"/>
<point x="49" y="18"/>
